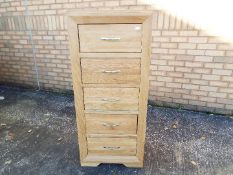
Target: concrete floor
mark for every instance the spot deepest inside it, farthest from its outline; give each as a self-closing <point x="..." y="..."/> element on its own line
<point x="38" y="136"/>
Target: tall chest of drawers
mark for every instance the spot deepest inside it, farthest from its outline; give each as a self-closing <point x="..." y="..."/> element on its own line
<point x="110" y="57"/>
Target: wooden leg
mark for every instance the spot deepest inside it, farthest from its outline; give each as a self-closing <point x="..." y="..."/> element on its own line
<point x="91" y="164"/>
<point x="134" y="165"/>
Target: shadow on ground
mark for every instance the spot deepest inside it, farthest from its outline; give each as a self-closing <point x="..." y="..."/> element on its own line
<point x="38" y="137"/>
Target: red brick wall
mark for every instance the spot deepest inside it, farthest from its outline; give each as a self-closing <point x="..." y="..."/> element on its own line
<point x="189" y="67"/>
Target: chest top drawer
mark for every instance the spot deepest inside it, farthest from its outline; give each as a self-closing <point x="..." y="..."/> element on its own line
<point x="110" y="38"/>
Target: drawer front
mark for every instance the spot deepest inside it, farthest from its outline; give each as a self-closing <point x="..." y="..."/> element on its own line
<point x="111" y="124"/>
<point x="112" y="146"/>
<point x="111" y="99"/>
<point x="114" y="70"/>
<point x="110" y="38"/>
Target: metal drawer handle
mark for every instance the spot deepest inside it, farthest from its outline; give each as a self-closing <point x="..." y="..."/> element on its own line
<point x="111" y="99"/>
<point x="111" y="71"/>
<point x="110" y="125"/>
<point x="111" y="147"/>
<point x="110" y="39"/>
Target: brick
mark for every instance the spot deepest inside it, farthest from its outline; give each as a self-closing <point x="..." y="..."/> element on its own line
<point x="157" y="83"/>
<point x="170" y="33"/>
<point x="159" y="62"/>
<point x="155" y="45"/>
<point x="158" y="50"/>
<point x="175" y="63"/>
<point x="82" y="5"/>
<point x="190" y="86"/>
<point x="23" y="41"/>
<point x="209" y="88"/>
<point x="175" y="74"/>
<point x="32" y="7"/>
<point x="97" y="4"/>
<point x="166" y="68"/>
<point x="222" y="72"/>
<point x="183" y="69"/>
<point x="229" y="107"/>
<point x="223" y="59"/>
<point x="224" y="46"/>
<point x="153" y="68"/>
<point x="229" y="53"/>
<point x="206" y="46"/>
<point x="168" y="45"/>
<point x="225" y="101"/>
<point x="198" y="39"/>
<point x="215" y="105"/>
<point x="228" y="66"/>
<point x="196" y="52"/>
<point x="180" y="101"/>
<point x="214" y="65"/>
<point x="187" y="46"/>
<point x="69" y="5"/>
<point x="128" y="2"/>
<point x="214" y="53"/>
<point x="160" y="39"/>
<point x="227" y="78"/>
<point x="48" y="37"/>
<point x="181" y="91"/>
<point x="218" y="83"/>
<point x="193" y="64"/>
<point x="189" y="97"/>
<point x="49" y="1"/>
<point x="56" y="6"/>
<point x="185" y="57"/>
<point x="200" y="82"/>
<point x="199" y="93"/>
<point x="166" y="79"/>
<point x="211" y="77"/>
<point x="189" y="33"/>
<point x="174" y="85"/>
<point x="197" y="102"/>
<point x="156" y="33"/>
<point x="179" y="39"/>
<point x="226" y="90"/>
<point x="192" y="76"/>
<point x="59" y="37"/>
<point x="203" y="58"/>
<point x="217" y="94"/>
<point x="164" y="89"/>
<point x="207" y="99"/>
<point x="176" y="51"/>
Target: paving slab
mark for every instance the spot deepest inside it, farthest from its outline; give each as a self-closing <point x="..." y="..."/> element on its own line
<point x="38" y="137"/>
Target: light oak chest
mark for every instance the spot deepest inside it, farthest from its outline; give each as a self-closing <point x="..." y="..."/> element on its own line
<point x="110" y="54"/>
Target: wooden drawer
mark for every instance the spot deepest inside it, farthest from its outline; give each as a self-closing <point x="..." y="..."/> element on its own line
<point x="110" y="38"/>
<point x="111" y="146"/>
<point x="111" y="124"/>
<point x="111" y="100"/>
<point x="114" y="70"/>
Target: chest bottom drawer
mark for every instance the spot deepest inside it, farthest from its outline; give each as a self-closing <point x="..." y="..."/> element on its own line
<point x="111" y="146"/>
